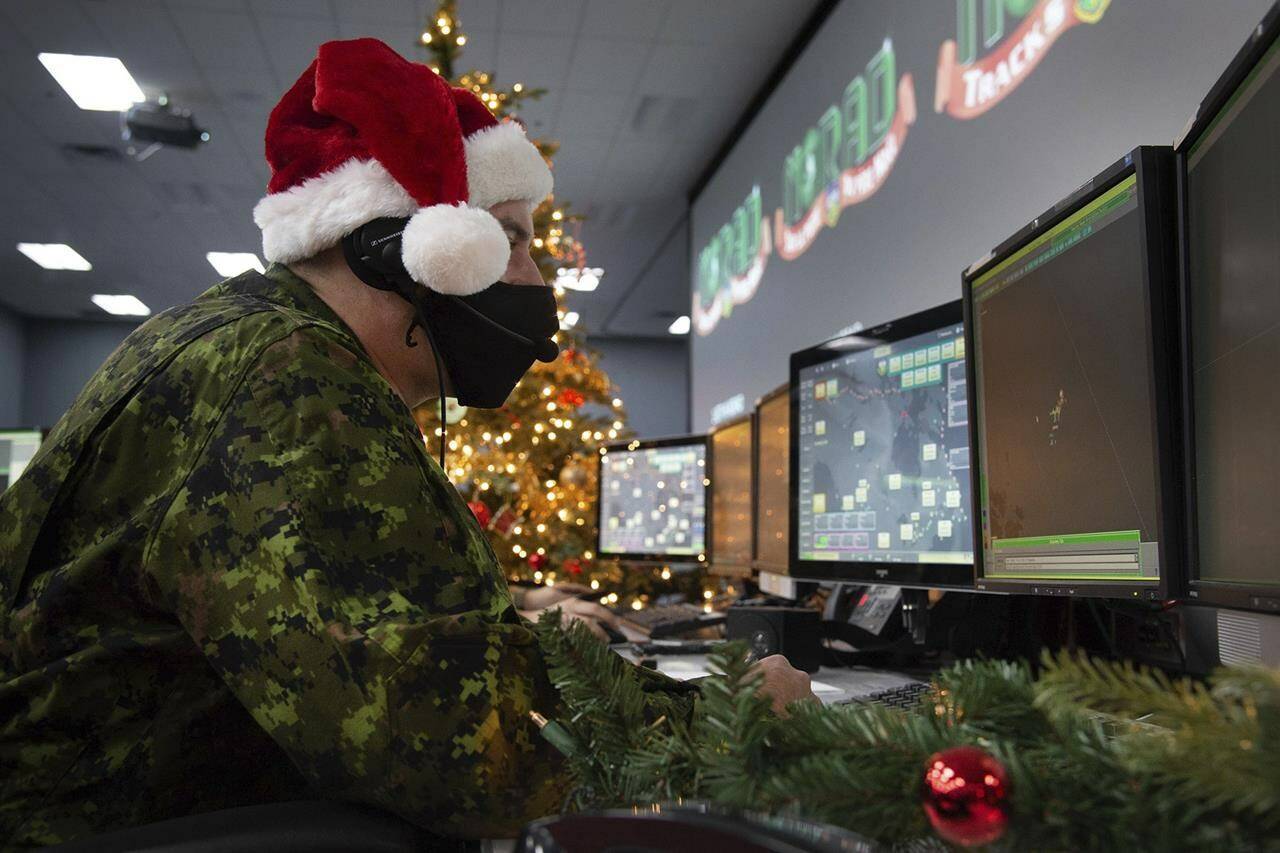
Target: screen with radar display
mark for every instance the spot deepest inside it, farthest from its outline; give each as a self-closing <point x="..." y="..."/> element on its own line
<point x="653" y="500"/>
<point x="1063" y="402"/>
<point x="1232" y="187"/>
<point x="17" y="447"/>
<point x="883" y="450"/>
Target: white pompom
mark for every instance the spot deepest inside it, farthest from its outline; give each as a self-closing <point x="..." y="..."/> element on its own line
<point x="457" y="250"/>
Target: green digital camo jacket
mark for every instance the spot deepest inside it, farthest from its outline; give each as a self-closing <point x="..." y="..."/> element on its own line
<point x="233" y="574"/>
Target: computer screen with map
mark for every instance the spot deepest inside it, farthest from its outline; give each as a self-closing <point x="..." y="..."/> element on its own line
<point x="732" y="526"/>
<point x="881" y="454"/>
<point x="17" y="446"/>
<point x="653" y="500"/>
<point x="773" y="492"/>
<point x="1230" y="183"/>
<point x="1071" y="392"/>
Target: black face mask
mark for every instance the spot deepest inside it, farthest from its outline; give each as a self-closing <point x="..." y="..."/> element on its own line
<point x="489" y="339"/>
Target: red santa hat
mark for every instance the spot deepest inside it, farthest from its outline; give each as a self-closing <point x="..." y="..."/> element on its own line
<point x="365" y="134"/>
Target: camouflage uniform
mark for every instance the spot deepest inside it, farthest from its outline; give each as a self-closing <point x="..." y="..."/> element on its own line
<point x="234" y="575"/>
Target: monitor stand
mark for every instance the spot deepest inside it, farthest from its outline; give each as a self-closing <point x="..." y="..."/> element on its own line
<point x="915" y="614"/>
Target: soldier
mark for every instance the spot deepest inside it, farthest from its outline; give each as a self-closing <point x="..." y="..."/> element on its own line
<point x="232" y="574"/>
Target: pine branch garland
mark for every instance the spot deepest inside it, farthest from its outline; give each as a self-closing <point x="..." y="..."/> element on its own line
<point x="1201" y="771"/>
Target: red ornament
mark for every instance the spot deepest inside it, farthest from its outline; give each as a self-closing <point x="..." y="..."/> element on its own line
<point x="480" y="511"/>
<point x="570" y="355"/>
<point x="573" y="566"/>
<point x="537" y="562"/>
<point x="571" y="398"/>
<point x="966" y="796"/>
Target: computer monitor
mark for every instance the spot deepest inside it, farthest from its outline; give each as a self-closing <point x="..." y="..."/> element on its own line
<point x="17" y="446"/>
<point x="1069" y="328"/>
<point x="653" y="500"/>
<point x="1229" y="183"/>
<point x="880" y="455"/>
<point x="732" y="494"/>
<point x="773" y="491"/>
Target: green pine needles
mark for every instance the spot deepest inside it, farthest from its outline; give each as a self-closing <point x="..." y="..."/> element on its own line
<point x="1100" y="755"/>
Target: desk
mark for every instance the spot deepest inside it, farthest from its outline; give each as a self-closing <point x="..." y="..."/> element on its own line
<point x="832" y="685"/>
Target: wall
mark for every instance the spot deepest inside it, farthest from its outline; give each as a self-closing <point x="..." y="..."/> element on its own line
<point x="61" y="355"/>
<point x="652" y="376"/>
<point x="12" y="368"/>
<point x="927" y="182"/>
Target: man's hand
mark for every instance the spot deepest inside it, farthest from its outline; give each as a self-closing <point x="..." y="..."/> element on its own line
<point x="575" y="610"/>
<point x="782" y="683"/>
<point x="542" y="597"/>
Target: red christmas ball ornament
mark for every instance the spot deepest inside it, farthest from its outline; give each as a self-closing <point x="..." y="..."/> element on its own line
<point x="537" y="562"/>
<point x="571" y="398"/>
<point x="966" y="796"/>
<point x="573" y="566"/>
<point x="570" y="355"/>
<point x="480" y="511"/>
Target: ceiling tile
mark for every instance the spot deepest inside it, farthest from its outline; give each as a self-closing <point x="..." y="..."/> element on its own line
<point x="607" y="64"/>
<point x="292" y="43"/>
<point x="540" y="16"/>
<point x="632" y="19"/>
<point x="682" y="69"/>
<point x="532" y="59"/>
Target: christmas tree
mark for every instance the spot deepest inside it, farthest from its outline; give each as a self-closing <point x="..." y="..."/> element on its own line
<point x="529" y="469"/>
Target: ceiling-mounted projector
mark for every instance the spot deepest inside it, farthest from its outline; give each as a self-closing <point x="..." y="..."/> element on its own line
<point x="154" y="123"/>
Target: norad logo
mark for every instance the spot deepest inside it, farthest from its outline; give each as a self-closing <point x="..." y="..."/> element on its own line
<point x="839" y="162"/>
<point x="731" y="266"/>
<point x="994" y="51"/>
<point x="847" y="156"/>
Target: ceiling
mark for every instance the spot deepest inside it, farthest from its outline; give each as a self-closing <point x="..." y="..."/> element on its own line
<point x="641" y="94"/>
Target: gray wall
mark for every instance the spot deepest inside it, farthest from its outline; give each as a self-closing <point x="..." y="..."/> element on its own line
<point x="652" y="375"/>
<point x="61" y="355"/>
<point x="959" y="187"/>
<point x="12" y="368"/>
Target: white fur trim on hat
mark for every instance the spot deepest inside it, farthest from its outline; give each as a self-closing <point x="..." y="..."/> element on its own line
<point x="502" y="165"/>
<point x="458" y="250"/>
<point x="315" y="215"/>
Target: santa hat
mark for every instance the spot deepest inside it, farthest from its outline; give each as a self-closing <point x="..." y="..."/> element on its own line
<point x="365" y="134"/>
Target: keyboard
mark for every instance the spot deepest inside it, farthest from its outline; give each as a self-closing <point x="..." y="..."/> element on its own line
<point x="670" y="619"/>
<point x="905" y="697"/>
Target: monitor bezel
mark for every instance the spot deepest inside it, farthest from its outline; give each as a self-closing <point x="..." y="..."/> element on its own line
<point x="929" y="575"/>
<point x="1239" y="596"/>
<point x="758" y="564"/>
<point x="1153" y="166"/>
<point x="642" y="557"/>
<point x="736" y="568"/>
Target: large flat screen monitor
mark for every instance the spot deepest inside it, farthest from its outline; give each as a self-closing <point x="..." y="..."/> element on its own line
<point x="773" y="491"/>
<point x="732" y="479"/>
<point x="880" y="455"/>
<point x="653" y="500"/>
<point x="17" y="446"/>
<point x="1069" y="326"/>
<point x="1229" y="188"/>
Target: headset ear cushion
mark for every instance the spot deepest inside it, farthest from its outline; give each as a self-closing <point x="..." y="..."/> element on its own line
<point x="389" y="256"/>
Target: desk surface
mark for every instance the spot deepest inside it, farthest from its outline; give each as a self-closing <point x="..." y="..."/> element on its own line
<point x="831" y="685"/>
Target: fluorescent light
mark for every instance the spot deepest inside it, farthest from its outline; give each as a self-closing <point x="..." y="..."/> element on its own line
<point x="680" y="325"/>
<point x="124" y="304"/>
<point x="230" y="264"/>
<point x="94" y="82"/>
<point x="585" y="279"/>
<point x="55" y="256"/>
<point x="568" y="321"/>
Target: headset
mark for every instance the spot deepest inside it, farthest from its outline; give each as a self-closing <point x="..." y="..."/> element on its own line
<point x="372" y="251"/>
